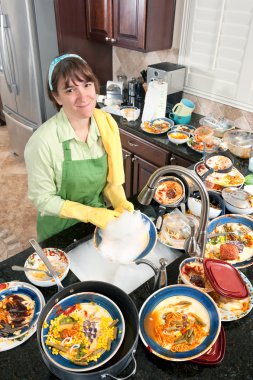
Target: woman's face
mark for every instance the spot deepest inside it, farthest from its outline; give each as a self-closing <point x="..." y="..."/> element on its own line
<point x="78" y="99"/>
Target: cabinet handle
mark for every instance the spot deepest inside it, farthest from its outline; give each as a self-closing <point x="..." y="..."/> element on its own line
<point x="173" y="159"/>
<point x="107" y="38"/>
<point x="132" y="144"/>
<point x="134" y="159"/>
<point x="113" y="40"/>
<point x="126" y="156"/>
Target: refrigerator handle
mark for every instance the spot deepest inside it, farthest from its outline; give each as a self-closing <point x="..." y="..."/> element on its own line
<point x="7" y="65"/>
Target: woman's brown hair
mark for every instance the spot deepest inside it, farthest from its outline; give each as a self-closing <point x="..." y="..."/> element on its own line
<point x="71" y="69"/>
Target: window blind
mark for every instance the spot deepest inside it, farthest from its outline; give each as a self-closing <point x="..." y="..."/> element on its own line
<point x="217" y="49"/>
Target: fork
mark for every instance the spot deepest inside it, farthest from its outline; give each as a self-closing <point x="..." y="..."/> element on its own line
<point x="7" y="329"/>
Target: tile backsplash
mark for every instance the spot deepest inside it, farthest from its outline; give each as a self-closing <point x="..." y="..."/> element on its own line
<point x="131" y="62"/>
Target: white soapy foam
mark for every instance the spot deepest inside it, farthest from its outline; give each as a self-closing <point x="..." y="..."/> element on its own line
<point x="125" y="238"/>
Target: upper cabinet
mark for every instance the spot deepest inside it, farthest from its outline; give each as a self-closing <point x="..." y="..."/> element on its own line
<point x="144" y="25"/>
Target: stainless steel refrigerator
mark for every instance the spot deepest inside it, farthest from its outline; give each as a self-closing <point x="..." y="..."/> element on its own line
<point x="28" y="43"/>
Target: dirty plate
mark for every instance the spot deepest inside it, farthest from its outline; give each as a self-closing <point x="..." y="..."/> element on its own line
<point x="158" y="126"/>
<point x="233" y="228"/>
<point x="23" y="299"/>
<point x="199" y="146"/>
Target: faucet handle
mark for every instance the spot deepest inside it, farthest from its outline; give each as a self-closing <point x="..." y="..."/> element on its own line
<point x="161" y="278"/>
<point x="191" y="246"/>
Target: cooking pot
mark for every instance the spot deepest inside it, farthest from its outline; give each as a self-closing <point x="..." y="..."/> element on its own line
<point x="123" y="356"/>
<point x="165" y="208"/>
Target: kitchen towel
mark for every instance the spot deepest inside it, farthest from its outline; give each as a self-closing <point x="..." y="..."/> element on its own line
<point x="155" y="101"/>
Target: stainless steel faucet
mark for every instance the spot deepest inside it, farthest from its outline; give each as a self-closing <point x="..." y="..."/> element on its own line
<point x="160" y="279"/>
<point x="146" y="195"/>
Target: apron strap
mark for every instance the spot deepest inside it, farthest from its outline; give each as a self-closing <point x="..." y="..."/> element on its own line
<point x="67" y="151"/>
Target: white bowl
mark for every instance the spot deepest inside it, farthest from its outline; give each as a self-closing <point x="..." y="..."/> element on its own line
<point x="237" y="201"/>
<point x="130" y="113"/>
<point x="176" y="140"/>
<point x="57" y="258"/>
<point x="195" y="207"/>
<point x="191" y="261"/>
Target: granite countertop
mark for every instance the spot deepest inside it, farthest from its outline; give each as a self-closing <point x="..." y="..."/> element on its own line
<point x="180" y="150"/>
<point x="25" y="362"/>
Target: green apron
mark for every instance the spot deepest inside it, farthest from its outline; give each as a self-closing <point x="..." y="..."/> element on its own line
<point x="82" y="181"/>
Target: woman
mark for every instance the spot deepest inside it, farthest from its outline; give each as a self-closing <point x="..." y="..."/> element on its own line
<point x="74" y="159"/>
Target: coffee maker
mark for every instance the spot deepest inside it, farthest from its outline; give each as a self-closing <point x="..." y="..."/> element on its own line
<point x="173" y="75"/>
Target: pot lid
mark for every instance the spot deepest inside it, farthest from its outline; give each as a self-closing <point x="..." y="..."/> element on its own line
<point x="225" y="279"/>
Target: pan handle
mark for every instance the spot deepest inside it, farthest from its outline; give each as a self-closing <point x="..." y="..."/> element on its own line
<point x="127" y="377"/>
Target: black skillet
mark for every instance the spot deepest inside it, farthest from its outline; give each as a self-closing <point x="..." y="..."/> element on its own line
<point x="123" y="357"/>
<point x="211" y="169"/>
<point x="164" y="208"/>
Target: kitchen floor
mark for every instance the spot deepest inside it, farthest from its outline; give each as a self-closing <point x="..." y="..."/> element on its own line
<point x="17" y="214"/>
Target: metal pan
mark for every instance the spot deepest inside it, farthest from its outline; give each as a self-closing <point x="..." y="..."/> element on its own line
<point x="165" y="208"/>
<point x="123" y="357"/>
<point x="211" y="169"/>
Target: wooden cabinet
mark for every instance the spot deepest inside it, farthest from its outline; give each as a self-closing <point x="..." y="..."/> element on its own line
<point x="72" y="37"/>
<point x="176" y="160"/>
<point x="145" y="25"/>
<point x="141" y="159"/>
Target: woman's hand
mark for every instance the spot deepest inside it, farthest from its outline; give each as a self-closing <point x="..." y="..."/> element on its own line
<point x="125" y="206"/>
<point x="100" y="217"/>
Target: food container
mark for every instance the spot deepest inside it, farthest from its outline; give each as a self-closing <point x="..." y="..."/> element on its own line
<point x="125" y="354"/>
<point x="238" y="201"/>
<point x="219" y="126"/>
<point x="216" y="206"/>
<point x="178" y="137"/>
<point x="216" y="353"/>
<point x="203" y="134"/>
<point x="239" y="142"/>
<point x="57" y="258"/>
<point x="216" y="275"/>
<point x="130" y="113"/>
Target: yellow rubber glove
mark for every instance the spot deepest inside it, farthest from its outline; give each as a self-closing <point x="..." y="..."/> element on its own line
<point x="116" y="195"/>
<point x="100" y="217"/>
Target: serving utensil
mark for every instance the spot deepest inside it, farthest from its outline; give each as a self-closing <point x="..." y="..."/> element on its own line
<point x="25" y="269"/>
<point x="45" y="260"/>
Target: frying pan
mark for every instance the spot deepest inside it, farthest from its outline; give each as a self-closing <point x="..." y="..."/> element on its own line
<point x="165" y="208"/>
<point x="211" y="169"/>
<point x="123" y="357"/>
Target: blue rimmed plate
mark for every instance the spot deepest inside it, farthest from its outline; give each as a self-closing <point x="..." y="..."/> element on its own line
<point x="157" y="127"/>
<point x="24" y="298"/>
<point x="200" y="301"/>
<point x="88" y="303"/>
<point x="152" y="238"/>
<point x="229" y="312"/>
<point x="184" y="128"/>
<point x="239" y="222"/>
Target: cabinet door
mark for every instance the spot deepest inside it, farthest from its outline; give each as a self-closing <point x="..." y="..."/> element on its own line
<point x="142" y="171"/>
<point x="99" y="19"/>
<point x="129" y="23"/>
<point x="176" y="160"/>
<point x="128" y="185"/>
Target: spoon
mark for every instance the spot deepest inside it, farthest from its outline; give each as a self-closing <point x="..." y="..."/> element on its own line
<point x="25" y="269"/>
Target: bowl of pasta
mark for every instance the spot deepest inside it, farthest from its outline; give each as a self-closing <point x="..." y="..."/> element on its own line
<point x="179" y="323"/>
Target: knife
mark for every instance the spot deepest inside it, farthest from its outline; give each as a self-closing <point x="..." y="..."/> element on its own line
<point x="45" y="260"/>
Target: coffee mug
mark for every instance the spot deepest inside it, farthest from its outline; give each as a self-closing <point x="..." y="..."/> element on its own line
<point x="180" y="119"/>
<point x="184" y="108"/>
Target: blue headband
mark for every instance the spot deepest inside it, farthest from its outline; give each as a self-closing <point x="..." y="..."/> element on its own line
<point x="54" y="63"/>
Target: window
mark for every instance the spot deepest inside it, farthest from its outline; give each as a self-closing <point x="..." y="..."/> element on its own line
<point x="217" y="49"/>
